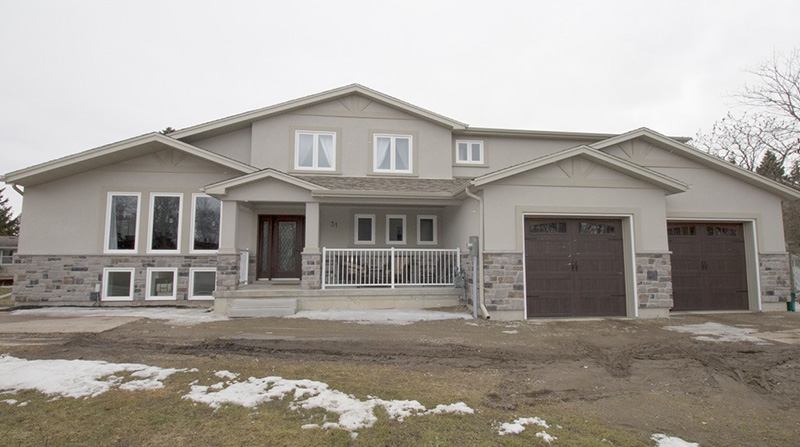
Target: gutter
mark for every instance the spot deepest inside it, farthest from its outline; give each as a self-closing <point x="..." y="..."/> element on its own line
<point x="481" y="300"/>
<point x="16" y="188"/>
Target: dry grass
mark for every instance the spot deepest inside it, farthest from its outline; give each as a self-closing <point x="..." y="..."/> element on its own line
<point x="7" y="301"/>
<point x="162" y="418"/>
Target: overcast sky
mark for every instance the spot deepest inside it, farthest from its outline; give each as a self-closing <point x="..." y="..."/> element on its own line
<point x="79" y="74"/>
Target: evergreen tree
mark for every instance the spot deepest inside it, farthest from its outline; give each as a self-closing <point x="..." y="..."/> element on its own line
<point x="771" y="168"/>
<point x="9" y="226"/>
<point x="166" y="131"/>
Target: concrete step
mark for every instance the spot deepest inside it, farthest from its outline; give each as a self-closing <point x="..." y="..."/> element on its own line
<point x="248" y="308"/>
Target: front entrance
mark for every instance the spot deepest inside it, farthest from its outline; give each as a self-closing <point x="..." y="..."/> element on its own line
<point x="574" y="268"/>
<point x="280" y="242"/>
<point x="709" y="271"/>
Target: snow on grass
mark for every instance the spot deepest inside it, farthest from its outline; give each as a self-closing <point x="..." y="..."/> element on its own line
<point x="671" y="441"/>
<point x="518" y="426"/>
<point x="511" y="332"/>
<point x="176" y="316"/>
<point x="225" y="374"/>
<point x="386" y="316"/>
<point x="353" y="413"/>
<point x="78" y="378"/>
<point x="716" y="332"/>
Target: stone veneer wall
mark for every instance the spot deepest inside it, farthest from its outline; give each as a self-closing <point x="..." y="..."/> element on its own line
<point x="654" y="280"/>
<point x="312" y="271"/>
<point x="774" y="271"/>
<point x="503" y="280"/>
<point x="73" y="279"/>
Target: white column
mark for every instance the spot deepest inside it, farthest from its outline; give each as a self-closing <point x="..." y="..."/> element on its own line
<point x="312" y="228"/>
<point x="228" y="224"/>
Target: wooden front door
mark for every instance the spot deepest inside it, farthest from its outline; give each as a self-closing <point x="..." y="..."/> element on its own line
<point x="280" y="242"/>
<point x="574" y="267"/>
<point x="708" y="266"/>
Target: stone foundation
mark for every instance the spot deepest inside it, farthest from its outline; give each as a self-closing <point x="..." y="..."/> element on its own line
<point x="78" y="279"/>
<point x="503" y="280"/>
<point x="774" y="271"/>
<point x="654" y="280"/>
<point x="312" y="271"/>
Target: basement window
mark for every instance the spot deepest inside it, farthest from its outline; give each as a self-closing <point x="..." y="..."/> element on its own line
<point x="117" y="284"/>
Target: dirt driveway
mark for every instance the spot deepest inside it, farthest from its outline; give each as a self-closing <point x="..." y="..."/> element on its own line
<point x="633" y="374"/>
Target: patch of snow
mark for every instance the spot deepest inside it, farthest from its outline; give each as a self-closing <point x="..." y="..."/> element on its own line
<point x="716" y="332"/>
<point x="546" y="437"/>
<point x="663" y="440"/>
<point x="23" y="404"/>
<point x="309" y="426"/>
<point x="10" y="401"/>
<point x="180" y="317"/>
<point x="78" y="378"/>
<point x="225" y="374"/>
<point x="518" y="426"/>
<point x="386" y="316"/>
<point x="511" y="332"/>
<point x="308" y="394"/>
<point x="470" y="323"/>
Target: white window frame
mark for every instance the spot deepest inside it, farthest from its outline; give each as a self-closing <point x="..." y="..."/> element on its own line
<point x="194" y="270"/>
<point x="104" y="285"/>
<point x="148" y="283"/>
<point x="469" y="160"/>
<point x="389" y="217"/>
<point x="315" y="153"/>
<point x="392" y="148"/>
<point x="107" y="232"/>
<point x="153" y="196"/>
<point x="371" y="217"/>
<point x="194" y="208"/>
<point x="9" y="256"/>
<point x="435" y="230"/>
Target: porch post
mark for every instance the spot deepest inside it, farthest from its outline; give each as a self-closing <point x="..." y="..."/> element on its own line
<point x="312" y="259"/>
<point x="227" y="256"/>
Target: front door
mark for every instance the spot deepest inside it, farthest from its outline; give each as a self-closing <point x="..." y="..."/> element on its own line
<point x="280" y="242"/>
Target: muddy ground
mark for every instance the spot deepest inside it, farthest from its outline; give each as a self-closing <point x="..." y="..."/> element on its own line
<point x="628" y="373"/>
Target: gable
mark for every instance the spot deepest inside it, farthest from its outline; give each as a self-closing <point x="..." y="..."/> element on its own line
<point x="167" y="160"/>
<point x="268" y="189"/>
<point x="579" y="172"/>
<point x="649" y="155"/>
<point x="355" y="106"/>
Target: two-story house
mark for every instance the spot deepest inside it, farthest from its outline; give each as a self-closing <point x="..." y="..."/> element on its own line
<point x="352" y="198"/>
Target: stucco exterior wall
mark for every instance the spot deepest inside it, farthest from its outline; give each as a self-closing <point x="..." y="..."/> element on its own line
<point x="68" y="216"/>
<point x="235" y="145"/>
<point x="337" y="226"/>
<point x="460" y="222"/>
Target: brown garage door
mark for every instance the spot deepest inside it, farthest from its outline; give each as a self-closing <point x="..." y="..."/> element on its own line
<point x="574" y="267"/>
<point x="708" y="266"/>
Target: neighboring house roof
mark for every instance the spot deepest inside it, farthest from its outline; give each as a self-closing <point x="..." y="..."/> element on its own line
<point x="113" y="153"/>
<point x="244" y="120"/>
<point x="221" y="188"/>
<point x="9" y="241"/>
<point x="701" y="157"/>
<point x="668" y="184"/>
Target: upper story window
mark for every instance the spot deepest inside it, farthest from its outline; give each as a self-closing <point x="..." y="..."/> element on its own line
<point x="469" y="152"/>
<point x="122" y="222"/>
<point x="165" y="223"/>
<point x="315" y="150"/>
<point x="392" y="153"/>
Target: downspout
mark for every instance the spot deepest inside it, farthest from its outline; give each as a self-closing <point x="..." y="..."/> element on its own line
<point x="481" y="243"/>
<point x="16" y="188"/>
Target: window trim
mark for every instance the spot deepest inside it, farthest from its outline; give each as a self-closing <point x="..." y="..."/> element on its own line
<point x="435" y="220"/>
<point x="192" y="271"/>
<point x="389" y="217"/>
<point x="371" y="217"/>
<point x="148" y="283"/>
<point x="315" y="161"/>
<point x="107" y="232"/>
<point x="153" y="196"/>
<point x="392" y="149"/>
<point x="104" y="285"/>
<point x="10" y="255"/>
<point x="469" y="161"/>
<point x="195" y="196"/>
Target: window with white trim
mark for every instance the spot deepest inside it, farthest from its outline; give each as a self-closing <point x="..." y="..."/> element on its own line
<point x="161" y="283"/>
<point x="315" y="150"/>
<point x="206" y="215"/>
<point x="7" y="255"/>
<point x="426" y="230"/>
<point x="469" y="152"/>
<point x="364" y="229"/>
<point x="202" y="283"/>
<point x="392" y="153"/>
<point x="395" y="229"/>
<point x="122" y="222"/>
<point x="165" y="223"/>
<point x="117" y="284"/>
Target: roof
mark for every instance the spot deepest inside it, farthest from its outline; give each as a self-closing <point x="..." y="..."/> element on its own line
<point x="668" y="184"/>
<point x="395" y="184"/>
<point x="222" y="187"/>
<point x="542" y="134"/>
<point x="113" y="153"/>
<point x="703" y="158"/>
<point x="9" y="241"/>
<point x="244" y="120"/>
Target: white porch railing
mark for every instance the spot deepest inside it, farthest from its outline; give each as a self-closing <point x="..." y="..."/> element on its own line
<point x="389" y="267"/>
<point x="244" y="265"/>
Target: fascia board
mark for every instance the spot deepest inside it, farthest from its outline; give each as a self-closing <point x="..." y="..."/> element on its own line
<point x="382" y="194"/>
<point x="221" y="188"/>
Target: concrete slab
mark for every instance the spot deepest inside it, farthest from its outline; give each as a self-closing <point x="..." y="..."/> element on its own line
<point x="791" y="336"/>
<point x="23" y="324"/>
